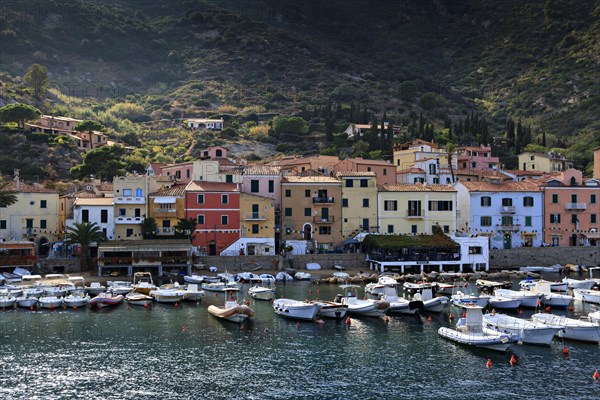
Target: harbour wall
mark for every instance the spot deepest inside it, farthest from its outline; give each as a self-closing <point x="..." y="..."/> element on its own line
<point x="543" y="256"/>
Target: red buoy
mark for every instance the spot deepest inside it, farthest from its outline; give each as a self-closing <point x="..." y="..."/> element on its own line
<point x="310" y="291"/>
<point x="488" y="364"/>
<point x="247" y="302"/>
<point x="513" y="361"/>
<point x="548" y="309"/>
<point x="216" y="294"/>
<point x="185" y="328"/>
<point x="51" y="307"/>
<point x="429" y="318"/>
<point x="464" y="315"/>
<point x="30" y="308"/>
<point x="571" y="308"/>
<point x="387" y="319"/>
<point x="451" y="317"/>
<point x="565" y="351"/>
<point x="520" y="312"/>
<point x="177" y="304"/>
<point x="298" y="325"/>
<point x="348" y="321"/>
<point x="75" y="307"/>
<point x="596" y="375"/>
<point x="145" y="305"/>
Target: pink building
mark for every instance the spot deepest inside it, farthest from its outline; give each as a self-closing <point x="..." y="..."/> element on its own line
<point x="571" y="209"/>
<point x="477" y="158"/>
<point x="385" y="172"/>
<point x="264" y="181"/>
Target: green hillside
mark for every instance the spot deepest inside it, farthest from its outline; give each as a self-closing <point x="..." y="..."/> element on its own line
<point x="426" y="64"/>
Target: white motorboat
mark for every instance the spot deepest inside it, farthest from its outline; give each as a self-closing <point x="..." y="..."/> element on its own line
<point x="570" y="328"/>
<point x="594" y="317"/>
<point x="95" y="288"/>
<point x="528" y="283"/>
<point x="525" y="331"/>
<point x="138" y="299"/>
<point x="197" y="279"/>
<point x="528" y="298"/>
<point x="367" y="308"/>
<point x="589" y="296"/>
<point x="119" y="287"/>
<point x="398" y="304"/>
<point x="142" y="283"/>
<point x="556" y="300"/>
<point x="489" y="286"/>
<point x="232" y="310"/>
<point x="469" y="331"/>
<point x="7" y="300"/>
<point x="192" y="293"/>
<point x="250" y="277"/>
<point x="504" y="303"/>
<point x="56" y="291"/>
<point x="377" y="288"/>
<point x="21" y="272"/>
<point x="50" y="302"/>
<point x="76" y="300"/>
<point x="259" y="292"/>
<point x="284" y="276"/>
<point x="331" y="309"/>
<point x="27" y="302"/>
<point x="33" y="291"/>
<point x="448" y="288"/>
<point x="459" y="299"/>
<point x="536" y="268"/>
<point x="267" y="278"/>
<point x="586" y="284"/>
<point x="221" y="286"/>
<point x="302" y="276"/>
<point x="425" y="292"/>
<point x="295" y="309"/>
<point x="313" y="266"/>
<point x="167" y="295"/>
<point x="105" y="299"/>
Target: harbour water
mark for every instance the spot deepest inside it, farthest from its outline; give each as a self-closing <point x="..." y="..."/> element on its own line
<point x="168" y="352"/>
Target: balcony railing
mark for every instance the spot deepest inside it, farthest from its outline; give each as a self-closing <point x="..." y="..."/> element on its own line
<point x="414" y="213"/>
<point x="323" y="200"/>
<point x="575" y="206"/>
<point x="502" y="227"/>
<point x="508" y="209"/>
<point x="323" y="220"/>
<point x="254" y="216"/>
<point x="159" y="210"/>
<point x="129" y="200"/>
<point x="128" y="220"/>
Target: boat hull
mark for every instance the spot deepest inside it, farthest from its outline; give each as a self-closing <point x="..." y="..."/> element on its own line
<point x="50" y="303"/>
<point x="329" y="309"/>
<point x="497" y="342"/>
<point x="260" y="293"/>
<point x="105" y="301"/>
<point x="7" y="302"/>
<point x="28" y="302"/>
<point x="295" y="309"/>
<point x="77" y="302"/>
<point x="588" y="296"/>
<point x="557" y="301"/>
<point x="436" y="304"/>
<point x="522" y="330"/>
<point x="569" y="328"/>
<point x="237" y="313"/>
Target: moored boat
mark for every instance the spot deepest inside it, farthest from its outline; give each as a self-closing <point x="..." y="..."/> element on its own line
<point x="459" y="299"/>
<point x="525" y="331"/>
<point x="138" y="299"/>
<point x="504" y="303"/>
<point x="399" y="305"/>
<point x="377" y="288"/>
<point x="594" y="317"/>
<point x="27" y="302"/>
<point x="302" y="276"/>
<point x="105" y="299"/>
<point x="192" y="293"/>
<point x="367" y="307"/>
<point x="50" y="302"/>
<point x="570" y="328"/>
<point x="95" y="288"/>
<point x="424" y="292"/>
<point x="586" y="284"/>
<point x="232" y="310"/>
<point x="490" y="286"/>
<point x="469" y="331"/>
<point x="7" y="300"/>
<point x="295" y="309"/>
<point x="119" y="287"/>
<point x="589" y="296"/>
<point x="167" y="295"/>
<point x="528" y="298"/>
<point x="259" y="292"/>
<point x="197" y="279"/>
<point x="331" y="309"/>
<point x="556" y="300"/>
<point x="284" y="276"/>
<point x="142" y="283"/>
<point x="76" y="300"/>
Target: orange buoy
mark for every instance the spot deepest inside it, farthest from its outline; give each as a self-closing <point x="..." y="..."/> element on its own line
<point x="348" y="321"/>
<point x="387" y="319"/>
<point x="513" y="361"/>
<point x="451" y="317"/>
<point x="248" y="302"/>
<point x="521" y="312"/>
<point x="177" y="304"/>
<point x="298" y="325"/>
<point x="565" y="350"/>
<point x="185" y="328"/>
<point x="429" y="318"/>
<point x="30" y="308"/>
<point x="548" y="309"/>
<point x="571" y="308"/>
<point x="596" y="375"/>
<point x="488" y="364"/>
<point x="75" y="307"/>
<point x="464" y="315"/>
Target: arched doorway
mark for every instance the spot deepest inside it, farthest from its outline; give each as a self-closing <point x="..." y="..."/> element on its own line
<point x="307" y="232"/>
<point x="43" y="246"/>
<point x="573" y="240"/>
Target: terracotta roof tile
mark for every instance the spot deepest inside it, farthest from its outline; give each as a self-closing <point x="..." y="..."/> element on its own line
<point x="28" y="188"/>
<point x="340" y="174"/>
<point x="211" y="186"/>
<point x="521" y="186"/>
<point x="417" y="187"/>
<point x="177" y="191"/>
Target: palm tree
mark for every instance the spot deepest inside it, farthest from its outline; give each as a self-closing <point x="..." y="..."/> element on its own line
<point x="84" y="233"/>
<point x="186" y="228"/>
<point x="450" y="149"/>
<point x="7" y="197"/>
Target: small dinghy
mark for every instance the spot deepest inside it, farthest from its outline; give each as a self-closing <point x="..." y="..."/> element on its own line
<point x="295" y="309"/>
<point x="262" y="292"/>
<point x="469" y="331"/>
<point x="138" y="299"/>
<point x="105" y="299"/>
<point x="76" y="300"/>
<point x="232" y="310"/>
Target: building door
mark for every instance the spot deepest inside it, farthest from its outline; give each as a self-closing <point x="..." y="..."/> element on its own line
<point x="573" y="240"/>
<point x="307" y="232"/>
<point x="212" y="248"/>
<point x="507" y="242"/>
<point x="254" y="211"/>
<point x="325" y="214"/>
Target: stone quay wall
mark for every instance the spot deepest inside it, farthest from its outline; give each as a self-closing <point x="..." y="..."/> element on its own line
<point x="544" y="256"/>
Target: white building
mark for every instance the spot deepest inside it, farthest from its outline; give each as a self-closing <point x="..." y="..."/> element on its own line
<point x="99" y="210"/>
<point x="510" y="213"/>
<point x="205" y="123"/>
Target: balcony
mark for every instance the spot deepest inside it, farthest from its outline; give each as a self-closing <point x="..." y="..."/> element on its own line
<point x="507" y="210"/>
<point x="254" y="216"/>
<point x="160" y="210"/>
<point x="165" y="231"/>
<point x="128" y="220"/>
<point x="130" y="200"/>
<point x="322" y="200"/>
<point x="323" y="220"/>
<point x="413" y="213"/>
<point x="575" y="206"/>
<point x="508" y="228"/>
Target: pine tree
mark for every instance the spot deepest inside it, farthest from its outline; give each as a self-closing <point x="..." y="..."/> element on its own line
<point x="544" y="138"/>
<point x="510" y="132"/>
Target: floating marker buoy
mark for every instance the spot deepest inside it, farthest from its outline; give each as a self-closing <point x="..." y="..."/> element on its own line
<point x="51" y="307"/>
<point x="488" y="364"/>
<point x="348" y="321"/>
<point x="451" y="317"/>
<point x="30" y="308"/>
<point x="571" y="309"/>
<point x="513" y="361"/>
<point x="520" y="311"/>
<point x="310" y="292"/>
<point x="464" y="315"/>
<point x="145" y="305"/>
<point x="216" y="294"/>
<point x="177" y="304"/>
<point x="387" y="319"/>
<point x="565" y="350"/>
<point x="75" y="307"/>
<point x="548" y="309"/>
<point x="429" y="318"/>
<point x="596" y="375"/>
<point x="185" y="328"/>
<point x="247" y="302"/>
<point x="298" y="325"/>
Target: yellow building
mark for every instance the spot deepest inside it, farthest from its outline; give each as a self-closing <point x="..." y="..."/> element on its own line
<point x="359" y="202"/>
<point x="34" y="217"/>
<point x="530" y="161"/>
<point x="311" y="210"/>
<point x="167" y="207"/>
<point x="407" y="154"/>
<point x="416" y="208"/>
<point x="257" y="216"/>
<point x="596" y="173"/>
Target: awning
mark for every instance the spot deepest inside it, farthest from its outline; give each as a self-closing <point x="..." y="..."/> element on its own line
<point x="592" y="235"/>
<point x="529" y="234"/>
<point x="165" y="200"/>
<point x="350" y="241"/>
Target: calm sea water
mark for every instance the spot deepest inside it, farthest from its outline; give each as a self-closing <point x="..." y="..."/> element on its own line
<point x="174" y="353"/>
